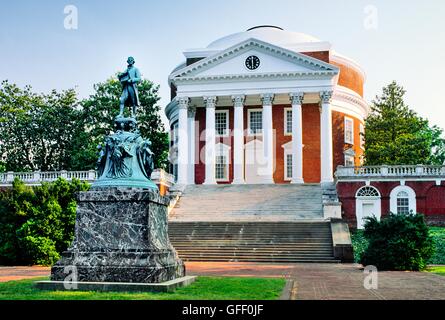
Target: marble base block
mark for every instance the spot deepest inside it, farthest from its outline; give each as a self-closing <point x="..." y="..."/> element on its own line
<point x="120" y="236"/>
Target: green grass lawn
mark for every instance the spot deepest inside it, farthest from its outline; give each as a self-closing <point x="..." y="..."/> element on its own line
<point x="204" y="288"/>
<point x="359" y="244"/>
<point x="437" y="269"/>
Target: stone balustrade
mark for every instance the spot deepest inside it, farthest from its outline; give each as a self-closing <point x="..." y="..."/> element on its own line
<point x="37" y="177"/>
<point x="399" y="171"/>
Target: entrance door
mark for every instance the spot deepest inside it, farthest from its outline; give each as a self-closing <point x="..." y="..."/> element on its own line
<point x="368" y="210"/>
<point x="255" y="166"/>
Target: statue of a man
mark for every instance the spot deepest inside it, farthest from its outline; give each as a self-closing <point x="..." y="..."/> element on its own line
<point x="129" y="79"/>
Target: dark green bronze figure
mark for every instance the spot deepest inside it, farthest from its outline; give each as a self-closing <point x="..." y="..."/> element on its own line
<point x="129" y="79"/>
<point x="125" y="159"/>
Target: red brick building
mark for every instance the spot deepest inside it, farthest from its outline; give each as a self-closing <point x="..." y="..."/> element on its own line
<point x="269" y="106"/>
<point x="379" y="190"/>
<point x="239" y="105"/>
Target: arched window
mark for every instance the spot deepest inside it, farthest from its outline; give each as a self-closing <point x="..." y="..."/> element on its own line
<point x="367" y="191"/>
<point x="402" y="200"/>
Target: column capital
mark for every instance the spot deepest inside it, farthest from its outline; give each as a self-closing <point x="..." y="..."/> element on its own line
<point x="238" y="100"/>
<point x="326" y="96"/>
<point x="267" y="98"/>
<point x="210" y="101"/>
<point x="191" y="111"/>
<point x="296" y="97"/>
<point x="183" y="102"/>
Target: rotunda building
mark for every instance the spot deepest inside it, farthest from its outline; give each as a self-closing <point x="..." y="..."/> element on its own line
<point x="265" y="106"/>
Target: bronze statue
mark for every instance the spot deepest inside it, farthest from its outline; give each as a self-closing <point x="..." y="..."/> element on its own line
<point x="129" y="79"/>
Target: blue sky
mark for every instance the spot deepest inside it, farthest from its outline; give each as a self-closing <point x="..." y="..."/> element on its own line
<point x="408" y="44"/>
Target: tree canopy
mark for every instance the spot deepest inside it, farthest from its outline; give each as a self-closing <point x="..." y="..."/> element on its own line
<point x="396" y="135"/>
<point x="57" y="131"/>
<point x="37" y="130"/>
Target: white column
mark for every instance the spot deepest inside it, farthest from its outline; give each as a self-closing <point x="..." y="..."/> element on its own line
<point x="268" y="136"/>
<point x="297" y="138"/>
<point x="238" y="140"/>
<point x="210" y="104"/>
<point x="183" y="152"/>
<point x="327" y="170"/>
<point x="191" y="135"/>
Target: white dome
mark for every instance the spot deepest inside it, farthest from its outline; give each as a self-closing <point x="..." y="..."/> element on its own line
<point x="270" y="34"/>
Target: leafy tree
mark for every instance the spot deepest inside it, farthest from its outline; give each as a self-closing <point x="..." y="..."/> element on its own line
<point x="57" y="132"/>
<point x="37" y="130"/>
<point x="99" y="111"/>
<point x="37" y="223"/>
<point x="397" y="135"/>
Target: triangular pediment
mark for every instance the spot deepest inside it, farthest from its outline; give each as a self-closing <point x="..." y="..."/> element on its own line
<point x="273" y="60"/>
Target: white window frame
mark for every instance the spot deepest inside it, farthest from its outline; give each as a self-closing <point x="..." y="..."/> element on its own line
<point x="348" y="156"/>
<point x="362" y="136"/>
<point x="227" y="123"/>
<point x="347" y="119"/>
<point x="222" y="149"/>
<point x="286" y="154"/>
<point x="411" y="198"/>
<point x="249" y="132"/>
<point x="286" y="133"/>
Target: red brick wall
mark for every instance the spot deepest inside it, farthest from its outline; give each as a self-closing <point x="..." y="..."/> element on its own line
<point x="281" y="138"/>
<point x="350" y="78"/>
<point x="338" y="137"/>
<point x="430" y="199"/>
<point x="320" y="55"/>
<point x="311" y="143"/>
<point x="200" y="120"/>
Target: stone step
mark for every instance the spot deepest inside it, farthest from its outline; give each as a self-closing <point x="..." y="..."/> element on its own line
<point x="252" y="241"/>
<point x="249" y="203"/>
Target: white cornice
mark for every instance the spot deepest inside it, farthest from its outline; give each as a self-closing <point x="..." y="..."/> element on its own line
<point x="257" y="76"/>
<point x="344" y="94"/>
<point x="301" y="59"/>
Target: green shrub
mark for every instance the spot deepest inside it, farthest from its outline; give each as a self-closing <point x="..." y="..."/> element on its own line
<point x="37" y="223"/>
<point x="397" y="242"/>
<point x="438" y="235"/>
<point x="40" y="250"/>
<point x="359" y="244"/>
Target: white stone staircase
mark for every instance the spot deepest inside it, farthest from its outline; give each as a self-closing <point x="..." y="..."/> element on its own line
<point x="237" y="203"/>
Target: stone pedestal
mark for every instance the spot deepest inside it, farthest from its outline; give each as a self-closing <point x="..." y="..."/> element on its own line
<point x="120" y="236"/>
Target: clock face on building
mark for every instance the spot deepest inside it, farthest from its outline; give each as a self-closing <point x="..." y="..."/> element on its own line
<point x="252" y="62"/>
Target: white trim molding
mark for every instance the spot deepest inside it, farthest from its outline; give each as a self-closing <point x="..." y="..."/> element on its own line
<point x="412" y="205"/>
<point x="318" y="66"/>
<point x="285" y="132"/>
<point x="349" y="140"/>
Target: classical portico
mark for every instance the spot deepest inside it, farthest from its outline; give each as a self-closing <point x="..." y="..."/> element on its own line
<point x="186" y="134"/>
<point x="252" y="110"/>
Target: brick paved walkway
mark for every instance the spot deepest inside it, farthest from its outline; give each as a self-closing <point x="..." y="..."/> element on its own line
<point x="310" y="281"/>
